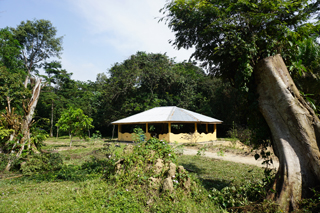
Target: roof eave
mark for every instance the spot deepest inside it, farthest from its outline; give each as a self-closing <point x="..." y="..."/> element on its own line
<point x="144" y="122"/>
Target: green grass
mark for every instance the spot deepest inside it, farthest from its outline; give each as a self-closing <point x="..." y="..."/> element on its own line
<point x="80" y="185"/>
<point x="218" y="173"/>
<point x="87" y="196"/>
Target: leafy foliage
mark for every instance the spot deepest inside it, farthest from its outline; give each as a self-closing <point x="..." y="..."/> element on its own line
<point x="38" y="41"/>
<point x="41" y="162"/>
<point x="22" y="51"/>
<point x="231" y="36"/>
<point x="307" y="77"/>
<point x="235" y="196"/>
<point x="38" y="136"/>
<point x="75" y="122"/>
<point x="241" y="133"/>
<point x="148" y="80"/>
<point x="141" y="154"/>
<point x="9" y="51"/>
<point x="138" y="135"/>
<point x="96" y="135"/>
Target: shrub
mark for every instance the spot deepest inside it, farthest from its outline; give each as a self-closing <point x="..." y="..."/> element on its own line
<point x="238" y="195"/>
<point x="139" y="156"/>
<point x="311" y="204"/>
<point x="38" y="136"/>
<point x="41" y="162"/>
<point x="138" y="135"/>
<point x="97" y="135"/>
<point x="241" y="133"/>
<point x="246" y="194"/>
<point x="4" y="159"/>
<point x="135" y="170"/>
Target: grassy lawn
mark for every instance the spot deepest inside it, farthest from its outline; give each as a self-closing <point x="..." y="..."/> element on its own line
<point x="218" y="173"/>
<point x="87" y="191"/>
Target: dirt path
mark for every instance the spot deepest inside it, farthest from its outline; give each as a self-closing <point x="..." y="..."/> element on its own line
<point x="232" y="157"/>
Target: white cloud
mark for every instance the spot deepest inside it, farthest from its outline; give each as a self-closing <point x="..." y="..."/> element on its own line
<point x="128" y="26"/>
<point x="82" y="71"/>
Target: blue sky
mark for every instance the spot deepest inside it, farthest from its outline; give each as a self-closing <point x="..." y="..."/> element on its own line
<point x="98" y="33"/>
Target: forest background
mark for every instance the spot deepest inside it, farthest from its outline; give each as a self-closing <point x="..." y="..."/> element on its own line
<point x="143" y="81"/>
<point x="33" y="103"/>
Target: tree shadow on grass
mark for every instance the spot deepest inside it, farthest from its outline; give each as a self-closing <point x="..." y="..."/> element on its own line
<point x="76" y="173"/>
<point x="207" y="181"/>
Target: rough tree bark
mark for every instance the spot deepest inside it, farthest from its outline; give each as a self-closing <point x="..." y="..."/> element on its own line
<point x="295" y="130"/>
<point x="27" y="121"/>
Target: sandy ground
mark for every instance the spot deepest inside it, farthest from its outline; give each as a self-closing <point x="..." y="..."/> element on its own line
<point x="233" y="157"/>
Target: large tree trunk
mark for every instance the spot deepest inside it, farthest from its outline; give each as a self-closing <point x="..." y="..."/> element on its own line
<point x="295" y="130"/>
<point x="27" y="121"/>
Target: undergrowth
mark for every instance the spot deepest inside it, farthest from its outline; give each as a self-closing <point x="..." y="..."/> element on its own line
<point x="99" y="185"/>
<point x="122" y="178"/>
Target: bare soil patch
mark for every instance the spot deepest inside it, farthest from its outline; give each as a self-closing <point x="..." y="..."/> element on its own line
<point x="230" y="151"/>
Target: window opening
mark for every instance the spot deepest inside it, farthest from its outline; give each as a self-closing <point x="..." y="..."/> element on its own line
<point x="128" y="128"/>
<point x="201" y="128"/>
<point x="177" y="128"/>
<point x="155" y="129"/>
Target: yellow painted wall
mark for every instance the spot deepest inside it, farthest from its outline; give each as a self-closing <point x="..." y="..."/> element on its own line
<point x="171" y="137"/>
<point x="164" y="137"/>
<point x="192" y="138"/>
<point x="180" y="138"/>
<point x="128" y="136"/>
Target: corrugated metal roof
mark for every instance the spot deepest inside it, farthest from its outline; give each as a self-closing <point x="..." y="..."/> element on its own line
<point x="167" y="114"/>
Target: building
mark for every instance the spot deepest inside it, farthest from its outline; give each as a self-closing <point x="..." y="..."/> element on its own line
<point x="169" y="123"/>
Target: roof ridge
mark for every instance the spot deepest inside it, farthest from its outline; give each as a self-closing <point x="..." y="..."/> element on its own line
<point x="171" y="113"/>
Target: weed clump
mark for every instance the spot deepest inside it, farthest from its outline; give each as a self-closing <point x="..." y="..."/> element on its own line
<point x="41" y="162"/>
<point x="146" y="164"/>
<point x="151" y="167"/>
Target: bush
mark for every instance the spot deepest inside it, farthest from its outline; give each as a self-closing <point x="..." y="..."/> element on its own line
<point x="235" y="196"/>
<point x="38" y="136"/>
<point x="96" y="136"/>
<point x="139" y="156"/>
<point x="248" y="196"/>
<point x="4" y="159"/>
<point x="41" y="162"/>
<point x="311" y="204"/>
<point x="138" y="135"/>
<point x="241" y="133"/>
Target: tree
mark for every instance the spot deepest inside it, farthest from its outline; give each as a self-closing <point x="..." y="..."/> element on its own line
<point x="38" y="42"/>
<point x="240" y="40"/>
<point x="11" y="71"/>
<point x="50" y="94"/>
<point x="75" y="122"/>
<point x="144" y="81"/>
<point x="306" y="73"/>
<point x="9" y="51"/>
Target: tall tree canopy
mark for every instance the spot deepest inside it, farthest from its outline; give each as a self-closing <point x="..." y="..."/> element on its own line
<point x="23" y="50"/>
<point x="231" y="36"/>
<point x="147" y="80"/>
<point x="39" y="43"/>
<point x="237" y="39"/>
